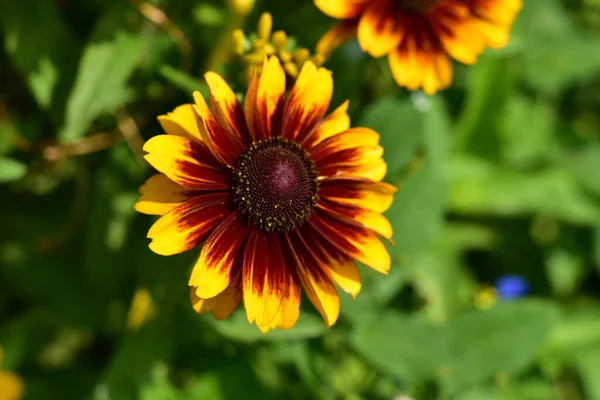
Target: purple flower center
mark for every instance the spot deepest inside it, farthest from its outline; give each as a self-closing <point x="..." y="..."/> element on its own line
<point x="275" y="184"/>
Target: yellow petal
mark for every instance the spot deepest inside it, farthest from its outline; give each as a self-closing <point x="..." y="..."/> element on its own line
<point x="223" y="304"/>
<point x="189" y="224"/>
<point x="374" y="221"/>
<point x="374" y="171"/>
<point x="380" y="29"/>
<point x="356" y="242"/>
<point x="181" y="122"/>
<point x="269" y="95"/>
<point x="356" y="192"/>
<point x="290" y="308"/>
<point x="317" y="285"/>
<point x="336" y="122"/>
<point x="227" y="109"/>
<point x="307" y="103"/>
<point x="211" y="274"/>
<point x="185" y="162"/>
<point x="340" y="268"/>
<point x="342" y="9"/>
<point x="159" y="195"/>
<point x="224" y="146"/>
<point x="265" y="277"/>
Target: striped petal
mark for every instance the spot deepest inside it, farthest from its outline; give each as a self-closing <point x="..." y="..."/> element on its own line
<point x="224" y="146"/>
<point x="374" y="171"/>
<point x="307" y="102"/>
<point x="181" y="122"/>
<point x="185" y="162"/>
<point x="264" y="100"/>
<point x="317" y="285"/>
<point x="336" y="122"/>
<point x="340" y="268"/>
<point x="290" y="308"/>
<point x="459" y="33"/>
<point x="355" y="138"/>
<point x="415" y="67"/>
<point x="159" y="195"/>
<point x="357" y="192"/>
<point x="211" y="274"/>
<point x="227" y="109"/>
<point x="374" y="221"/>
<point x="189" y="224"/>
<point x="380" y="29"/>
<point x="342" y="9"/>
<point x="354" y="241"/>
<point x="223" y="304"/>
<point x="265" y="277"/>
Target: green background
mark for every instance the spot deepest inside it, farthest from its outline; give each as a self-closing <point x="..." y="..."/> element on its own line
<point x="498" y="174"/>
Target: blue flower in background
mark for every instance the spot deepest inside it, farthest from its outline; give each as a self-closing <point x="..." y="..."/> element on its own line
<point x="511" y="287"/>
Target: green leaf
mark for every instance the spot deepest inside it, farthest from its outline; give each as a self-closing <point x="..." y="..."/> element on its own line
<point x="588" y="367"/>
<point x="417" y="212"/>
<point x="101" y="81"/>
<point x="404" y="346"/>
<point x="527" y="133"/>
<point x="555" y="59"/>
<point x="576" y="335"/>
<point x="472" y="347"/>
<point x="11" y="170"/>
<point x="490" y="83"/>
<point x="479" y="187"/>
<point x="134" y="358"/>
<point x="504" y="339"/>
<point x="584" y="164"/>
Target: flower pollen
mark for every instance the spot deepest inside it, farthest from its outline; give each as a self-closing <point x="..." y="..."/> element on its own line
<point x="275" y="184"/>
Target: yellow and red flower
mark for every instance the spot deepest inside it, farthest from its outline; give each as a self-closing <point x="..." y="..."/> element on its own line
<point x="281" y="195"/>
<point x="420" y="36"/>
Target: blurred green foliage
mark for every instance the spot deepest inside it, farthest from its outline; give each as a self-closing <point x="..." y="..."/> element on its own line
<point x="499" y="174"/>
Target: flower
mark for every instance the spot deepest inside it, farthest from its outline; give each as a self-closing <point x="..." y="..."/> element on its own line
<point x="11" y="385"/>
<point x="510" y="286"/>
<point x="141" y="309"/>
<point x="280" y="194"/>
<point x="420" y="36"/>
<point x="268" y="43"/>
<point x="485" y="297"/>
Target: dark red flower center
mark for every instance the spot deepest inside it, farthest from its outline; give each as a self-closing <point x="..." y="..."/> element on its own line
<point x="275" y="184"/>
<point x="420" y="6"/>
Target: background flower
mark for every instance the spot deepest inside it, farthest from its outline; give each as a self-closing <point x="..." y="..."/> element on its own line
<point x="421" y="36"/>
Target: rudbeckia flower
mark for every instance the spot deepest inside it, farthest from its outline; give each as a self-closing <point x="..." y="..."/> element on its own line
<point x="11" y="385"/>
<point x="420" y="36"/>
<point x="280" y="194"/>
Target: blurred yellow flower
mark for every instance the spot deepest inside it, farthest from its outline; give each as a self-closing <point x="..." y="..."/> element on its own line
<point x="11" y="385"/>
<point x="268" y="43"/>
<point x="420" y="36"/>
<point x="140" y="310"/>
<point x="485" y="297"/>
<point x="242" y="7"/>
